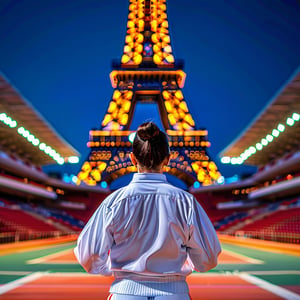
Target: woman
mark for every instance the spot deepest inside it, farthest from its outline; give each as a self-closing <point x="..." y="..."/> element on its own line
<point x="149" y="235"/>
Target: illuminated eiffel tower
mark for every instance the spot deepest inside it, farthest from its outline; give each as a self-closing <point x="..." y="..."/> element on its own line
<point x="148" y="73"/>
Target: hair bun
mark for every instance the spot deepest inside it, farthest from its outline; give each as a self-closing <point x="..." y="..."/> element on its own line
<point x="147" y="131"/>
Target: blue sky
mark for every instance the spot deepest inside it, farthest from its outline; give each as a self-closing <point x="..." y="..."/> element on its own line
<point x="237" y="55"/>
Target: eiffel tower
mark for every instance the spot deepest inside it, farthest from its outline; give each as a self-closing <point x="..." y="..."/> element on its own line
<point x="148" y="73"/>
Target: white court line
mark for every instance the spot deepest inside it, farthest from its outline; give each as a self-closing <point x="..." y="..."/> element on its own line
<point x="283" y="272"/>
<point x="22" y="273"/>
<point x="21" y="281"/>
<point x="275" y="289"/>
<point x="244" y="257"/>
<point x="44" y="259"/>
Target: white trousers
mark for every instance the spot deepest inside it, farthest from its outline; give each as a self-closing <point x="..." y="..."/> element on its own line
<point x="129" y="297"/>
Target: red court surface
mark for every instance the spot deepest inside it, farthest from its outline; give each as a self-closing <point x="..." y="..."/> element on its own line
<point x="78" y="286"/>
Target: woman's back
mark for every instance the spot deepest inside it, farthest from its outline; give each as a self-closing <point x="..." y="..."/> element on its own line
<point x="150" y="229"/>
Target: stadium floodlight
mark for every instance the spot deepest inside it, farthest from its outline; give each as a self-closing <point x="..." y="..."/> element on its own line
<point x="26" y="133"/>
<point x="220" y="180"/>
<point x="74" y="178"/>
<point x="20" y="130"/>
<point x="7" y="120"/>
<point x="247" y="152"/>
<point x="259" y="146"/>
<point x="60" y="161"/>
<point x="36" y="142"/>
<point x="48" y="150"/>
<point x="225" y="160"/>
<point x="234" y="160"/>
<point x="244" y="156"/>
<point x="252" y="150"/>
<point x="3" y="116"/>
<point x="275" y="132"/>
<point x="281" y="127"/>
<point x="131" y="137"/>
<point x="264" y="142"/>
<point x="290" y="121"/>
<point x="269" y="138"/>
<point x="73" y="159"/>
<point x="42" y="146"/>
<point x="56" y="156"/>
<point x="296" y="116"/>
<point x="13" y="124"/>
<point x="239" y="160"/>
<point x="30" y="137"/>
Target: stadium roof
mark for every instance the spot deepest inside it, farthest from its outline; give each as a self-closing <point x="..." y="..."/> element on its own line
<point x="274" y="133"/>
<point x="37" y="133"/>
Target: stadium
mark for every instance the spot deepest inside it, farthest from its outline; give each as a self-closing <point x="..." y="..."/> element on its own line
<point x="256" y="217"/>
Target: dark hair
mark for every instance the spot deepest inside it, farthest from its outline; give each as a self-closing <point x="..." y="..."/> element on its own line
<point x="150" y="145"/>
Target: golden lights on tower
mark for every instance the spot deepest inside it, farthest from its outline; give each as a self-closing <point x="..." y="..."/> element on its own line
<point x="134" y="38"/>
<point x="136" y="35"/>
<point x="178" y="112"/>
<point x="160" y="37"/>
<point x="117" y="113"/>
<point x="147" y="43"/>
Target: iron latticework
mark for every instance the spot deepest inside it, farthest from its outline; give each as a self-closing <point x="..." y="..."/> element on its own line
<point x="148" y="73"/>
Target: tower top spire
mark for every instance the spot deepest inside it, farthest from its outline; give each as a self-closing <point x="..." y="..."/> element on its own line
<point x="147" y="38"/>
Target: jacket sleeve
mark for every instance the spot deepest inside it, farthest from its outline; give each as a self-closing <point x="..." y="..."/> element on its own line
<point x="203" y="246"/>
<point x="94" y="243"/>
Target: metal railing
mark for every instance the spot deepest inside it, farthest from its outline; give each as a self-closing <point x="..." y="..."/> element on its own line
<point x="270" y="235"/>
<point x="18" y="236"/>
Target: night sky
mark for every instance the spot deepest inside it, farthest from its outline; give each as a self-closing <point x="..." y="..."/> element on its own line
<point x="238" y="54"/>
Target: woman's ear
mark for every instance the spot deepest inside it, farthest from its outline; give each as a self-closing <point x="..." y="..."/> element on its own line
<point x="133" y="159"/>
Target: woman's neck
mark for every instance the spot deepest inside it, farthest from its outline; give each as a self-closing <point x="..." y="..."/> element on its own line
<point x="145" y="170"/>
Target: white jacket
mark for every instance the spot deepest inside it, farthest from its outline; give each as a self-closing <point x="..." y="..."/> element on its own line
<point x="148" y="230"/>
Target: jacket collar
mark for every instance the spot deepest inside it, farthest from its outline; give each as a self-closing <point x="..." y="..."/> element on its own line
<point x="142" y="177"/>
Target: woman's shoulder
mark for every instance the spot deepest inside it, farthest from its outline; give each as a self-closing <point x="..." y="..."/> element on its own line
<point x="174" y="190"/>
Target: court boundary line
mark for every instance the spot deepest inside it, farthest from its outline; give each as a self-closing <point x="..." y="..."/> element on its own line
<point x="248" y="259"/>
<point x="21" y="273"/>
<point x="270" y="287"/>
<point x="21" y="281"/>
<point x="274" y="272"/>
<point x="43" y="259"/>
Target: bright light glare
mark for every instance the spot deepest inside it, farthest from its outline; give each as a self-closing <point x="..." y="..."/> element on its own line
<point x="31" y="138"/>
<point x="275" y="133"/>
<point x="225" y="160"/>
<point x="264" y="142"/>
<point x="281" y="127"/>
<point x="252" y="150"/>
<point x="42" y="146"/>
<point x="131" y="137"/>
<point x="259" y="146"/>
<point x="73" y="159"/>
<point x="220" y="180"/>
<point x="234" y="161"/>
<point x="269" y="138"/>
<point x="60" y="161"/>
<point x="290" y="121"/>
<point x="296" y="116"/>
